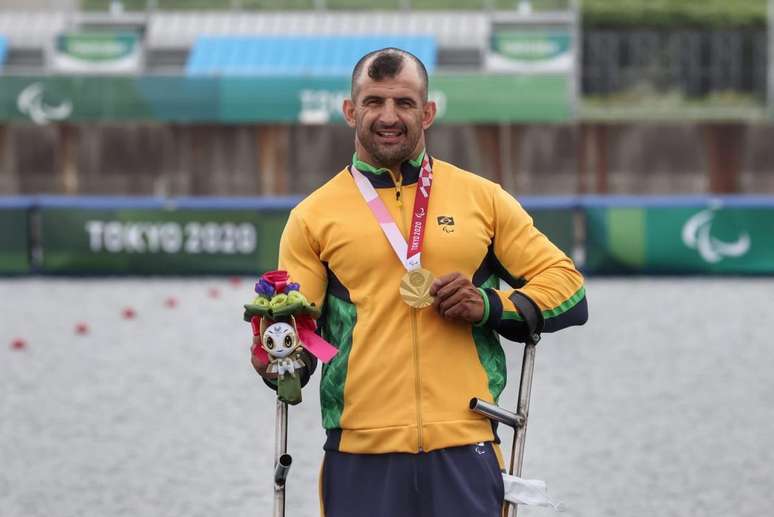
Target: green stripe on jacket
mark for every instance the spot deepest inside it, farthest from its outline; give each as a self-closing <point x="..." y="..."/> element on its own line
<point x="337" y="327"/>
<point x="566" y="305"/>
<point x="490" y="353"/>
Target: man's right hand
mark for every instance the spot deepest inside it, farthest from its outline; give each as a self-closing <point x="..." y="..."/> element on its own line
<point x="457" y="299"/>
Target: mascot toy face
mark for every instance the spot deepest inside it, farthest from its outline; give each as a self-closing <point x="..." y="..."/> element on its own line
<point x="280" y="340"/>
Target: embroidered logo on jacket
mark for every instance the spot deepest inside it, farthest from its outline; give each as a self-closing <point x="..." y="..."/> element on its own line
<point x="446" y="222"/>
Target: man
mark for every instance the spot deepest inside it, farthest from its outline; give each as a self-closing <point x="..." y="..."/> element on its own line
<point x="401" y="439"/>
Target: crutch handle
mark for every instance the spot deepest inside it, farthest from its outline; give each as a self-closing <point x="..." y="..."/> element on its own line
<point x="495" y="412"/>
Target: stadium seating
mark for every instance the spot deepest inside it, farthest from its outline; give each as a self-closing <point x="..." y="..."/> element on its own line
<point x="3" y="48"/>
<point x="295" y="55"/>
<point x="175" y="29"/>
<point x="31" y="29"/>
<point x="461" y="36"/>
<point x="382" y="5"/>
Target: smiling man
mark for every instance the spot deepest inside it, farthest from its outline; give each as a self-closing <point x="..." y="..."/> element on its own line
<point x="405" y="253"/>
<point x="389" y="117"/>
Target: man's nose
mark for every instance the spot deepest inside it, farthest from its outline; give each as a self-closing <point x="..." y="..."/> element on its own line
<point x="389" y="114"/>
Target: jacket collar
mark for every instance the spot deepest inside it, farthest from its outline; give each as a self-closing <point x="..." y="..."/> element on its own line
<point x="381" y="178"/>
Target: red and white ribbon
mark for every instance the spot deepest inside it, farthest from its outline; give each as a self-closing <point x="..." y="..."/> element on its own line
<point x="409" y="253"/>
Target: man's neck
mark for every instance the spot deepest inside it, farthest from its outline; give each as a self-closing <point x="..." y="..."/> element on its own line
<point x="394" y="171"/>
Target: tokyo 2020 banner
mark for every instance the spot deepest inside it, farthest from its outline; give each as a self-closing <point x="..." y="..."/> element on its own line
<point x="621" y="235"/>
<point x="177" y="236"/>
<point x="148" y="238"/>
<point x="109" y="237"/>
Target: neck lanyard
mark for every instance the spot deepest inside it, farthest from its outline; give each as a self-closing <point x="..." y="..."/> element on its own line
<point x="409" y="253"/>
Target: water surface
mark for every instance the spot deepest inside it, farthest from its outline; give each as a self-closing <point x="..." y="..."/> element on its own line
<point x="663" y="404"/>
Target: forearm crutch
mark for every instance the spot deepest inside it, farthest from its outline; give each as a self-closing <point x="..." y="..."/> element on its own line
<point x="517" y="420"/>
<point x="282" y="459"/>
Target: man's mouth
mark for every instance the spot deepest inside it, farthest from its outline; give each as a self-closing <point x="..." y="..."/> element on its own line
<point x="389" y="135"/>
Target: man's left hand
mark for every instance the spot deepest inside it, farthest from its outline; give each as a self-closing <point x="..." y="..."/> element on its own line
<point x="456" y="298"/>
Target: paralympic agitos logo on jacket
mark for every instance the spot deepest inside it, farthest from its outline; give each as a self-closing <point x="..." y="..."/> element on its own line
<point x="446" y="222"/>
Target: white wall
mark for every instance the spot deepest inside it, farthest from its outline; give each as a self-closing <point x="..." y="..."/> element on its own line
<point x="39" y="4"/>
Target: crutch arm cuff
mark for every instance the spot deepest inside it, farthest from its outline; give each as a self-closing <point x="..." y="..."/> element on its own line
<point x="533" y="317"/>
<point x="523" y="324"/>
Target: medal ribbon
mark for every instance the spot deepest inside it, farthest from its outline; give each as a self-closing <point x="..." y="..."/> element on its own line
<point x="409" y="253"/>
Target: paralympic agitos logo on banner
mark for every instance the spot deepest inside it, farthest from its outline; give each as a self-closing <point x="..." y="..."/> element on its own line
<point x="31" y="102"/>
<point x="697" y="234"/>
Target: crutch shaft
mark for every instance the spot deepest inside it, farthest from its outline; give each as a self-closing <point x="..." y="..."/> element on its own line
<point x="282" y="460"/>
<point x="522" y="409"/>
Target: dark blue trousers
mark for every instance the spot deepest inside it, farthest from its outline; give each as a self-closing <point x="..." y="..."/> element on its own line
<point x="455" y="482"/>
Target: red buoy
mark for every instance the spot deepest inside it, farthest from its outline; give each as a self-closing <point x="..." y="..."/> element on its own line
<point x="128" y="313"/>
<point x="235" y="281"/>
<point x="18" y="344"/>
<point x="171" y="302"/>
<point x="213" y="292"/>
<point x="81" y="328"/>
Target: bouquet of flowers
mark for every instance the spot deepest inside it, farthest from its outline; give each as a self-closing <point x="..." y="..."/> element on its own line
<point x="284" y="321"/>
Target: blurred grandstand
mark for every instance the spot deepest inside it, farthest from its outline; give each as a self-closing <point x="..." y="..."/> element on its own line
<point x="239" y="97"/>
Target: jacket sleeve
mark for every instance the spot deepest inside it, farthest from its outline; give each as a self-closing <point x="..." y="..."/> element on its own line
<point x="547" y="292"/>
<point x="299" y="255"/>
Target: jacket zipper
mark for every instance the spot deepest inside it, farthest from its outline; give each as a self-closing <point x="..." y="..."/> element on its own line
<point x="418" y="385"/>
<point x="414" y="337"/>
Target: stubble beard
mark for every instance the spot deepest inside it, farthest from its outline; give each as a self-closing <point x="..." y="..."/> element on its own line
<point x="388" y="155"/>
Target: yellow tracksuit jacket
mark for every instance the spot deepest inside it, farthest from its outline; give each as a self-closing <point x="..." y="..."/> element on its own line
<point x="403" y="377"/>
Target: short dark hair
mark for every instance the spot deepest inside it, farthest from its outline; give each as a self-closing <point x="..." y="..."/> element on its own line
<point x="388" y="63"/>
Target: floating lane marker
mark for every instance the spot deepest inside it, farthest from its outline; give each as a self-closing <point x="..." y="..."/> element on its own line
<point x="18" y="344"/>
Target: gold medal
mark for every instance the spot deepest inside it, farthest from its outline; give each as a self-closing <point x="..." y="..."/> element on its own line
<point x="415" y="288"/>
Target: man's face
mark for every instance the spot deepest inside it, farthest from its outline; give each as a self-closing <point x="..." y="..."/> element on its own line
<point x="390" y="116"/>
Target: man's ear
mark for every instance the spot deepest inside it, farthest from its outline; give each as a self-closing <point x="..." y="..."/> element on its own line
<point x="348" y="109"/>
<point x="428" y="114"/>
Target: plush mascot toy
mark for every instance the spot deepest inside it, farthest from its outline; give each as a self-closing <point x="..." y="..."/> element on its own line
<point x="284" y="321"/>
<point x="281" y="342"/>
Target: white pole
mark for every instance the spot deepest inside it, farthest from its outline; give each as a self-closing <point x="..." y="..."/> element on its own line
<point x="577" y="48"/>
<point x="770" y="60"/>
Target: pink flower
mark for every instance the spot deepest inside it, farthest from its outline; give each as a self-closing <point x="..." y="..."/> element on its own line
<point x="279" y="279"/>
